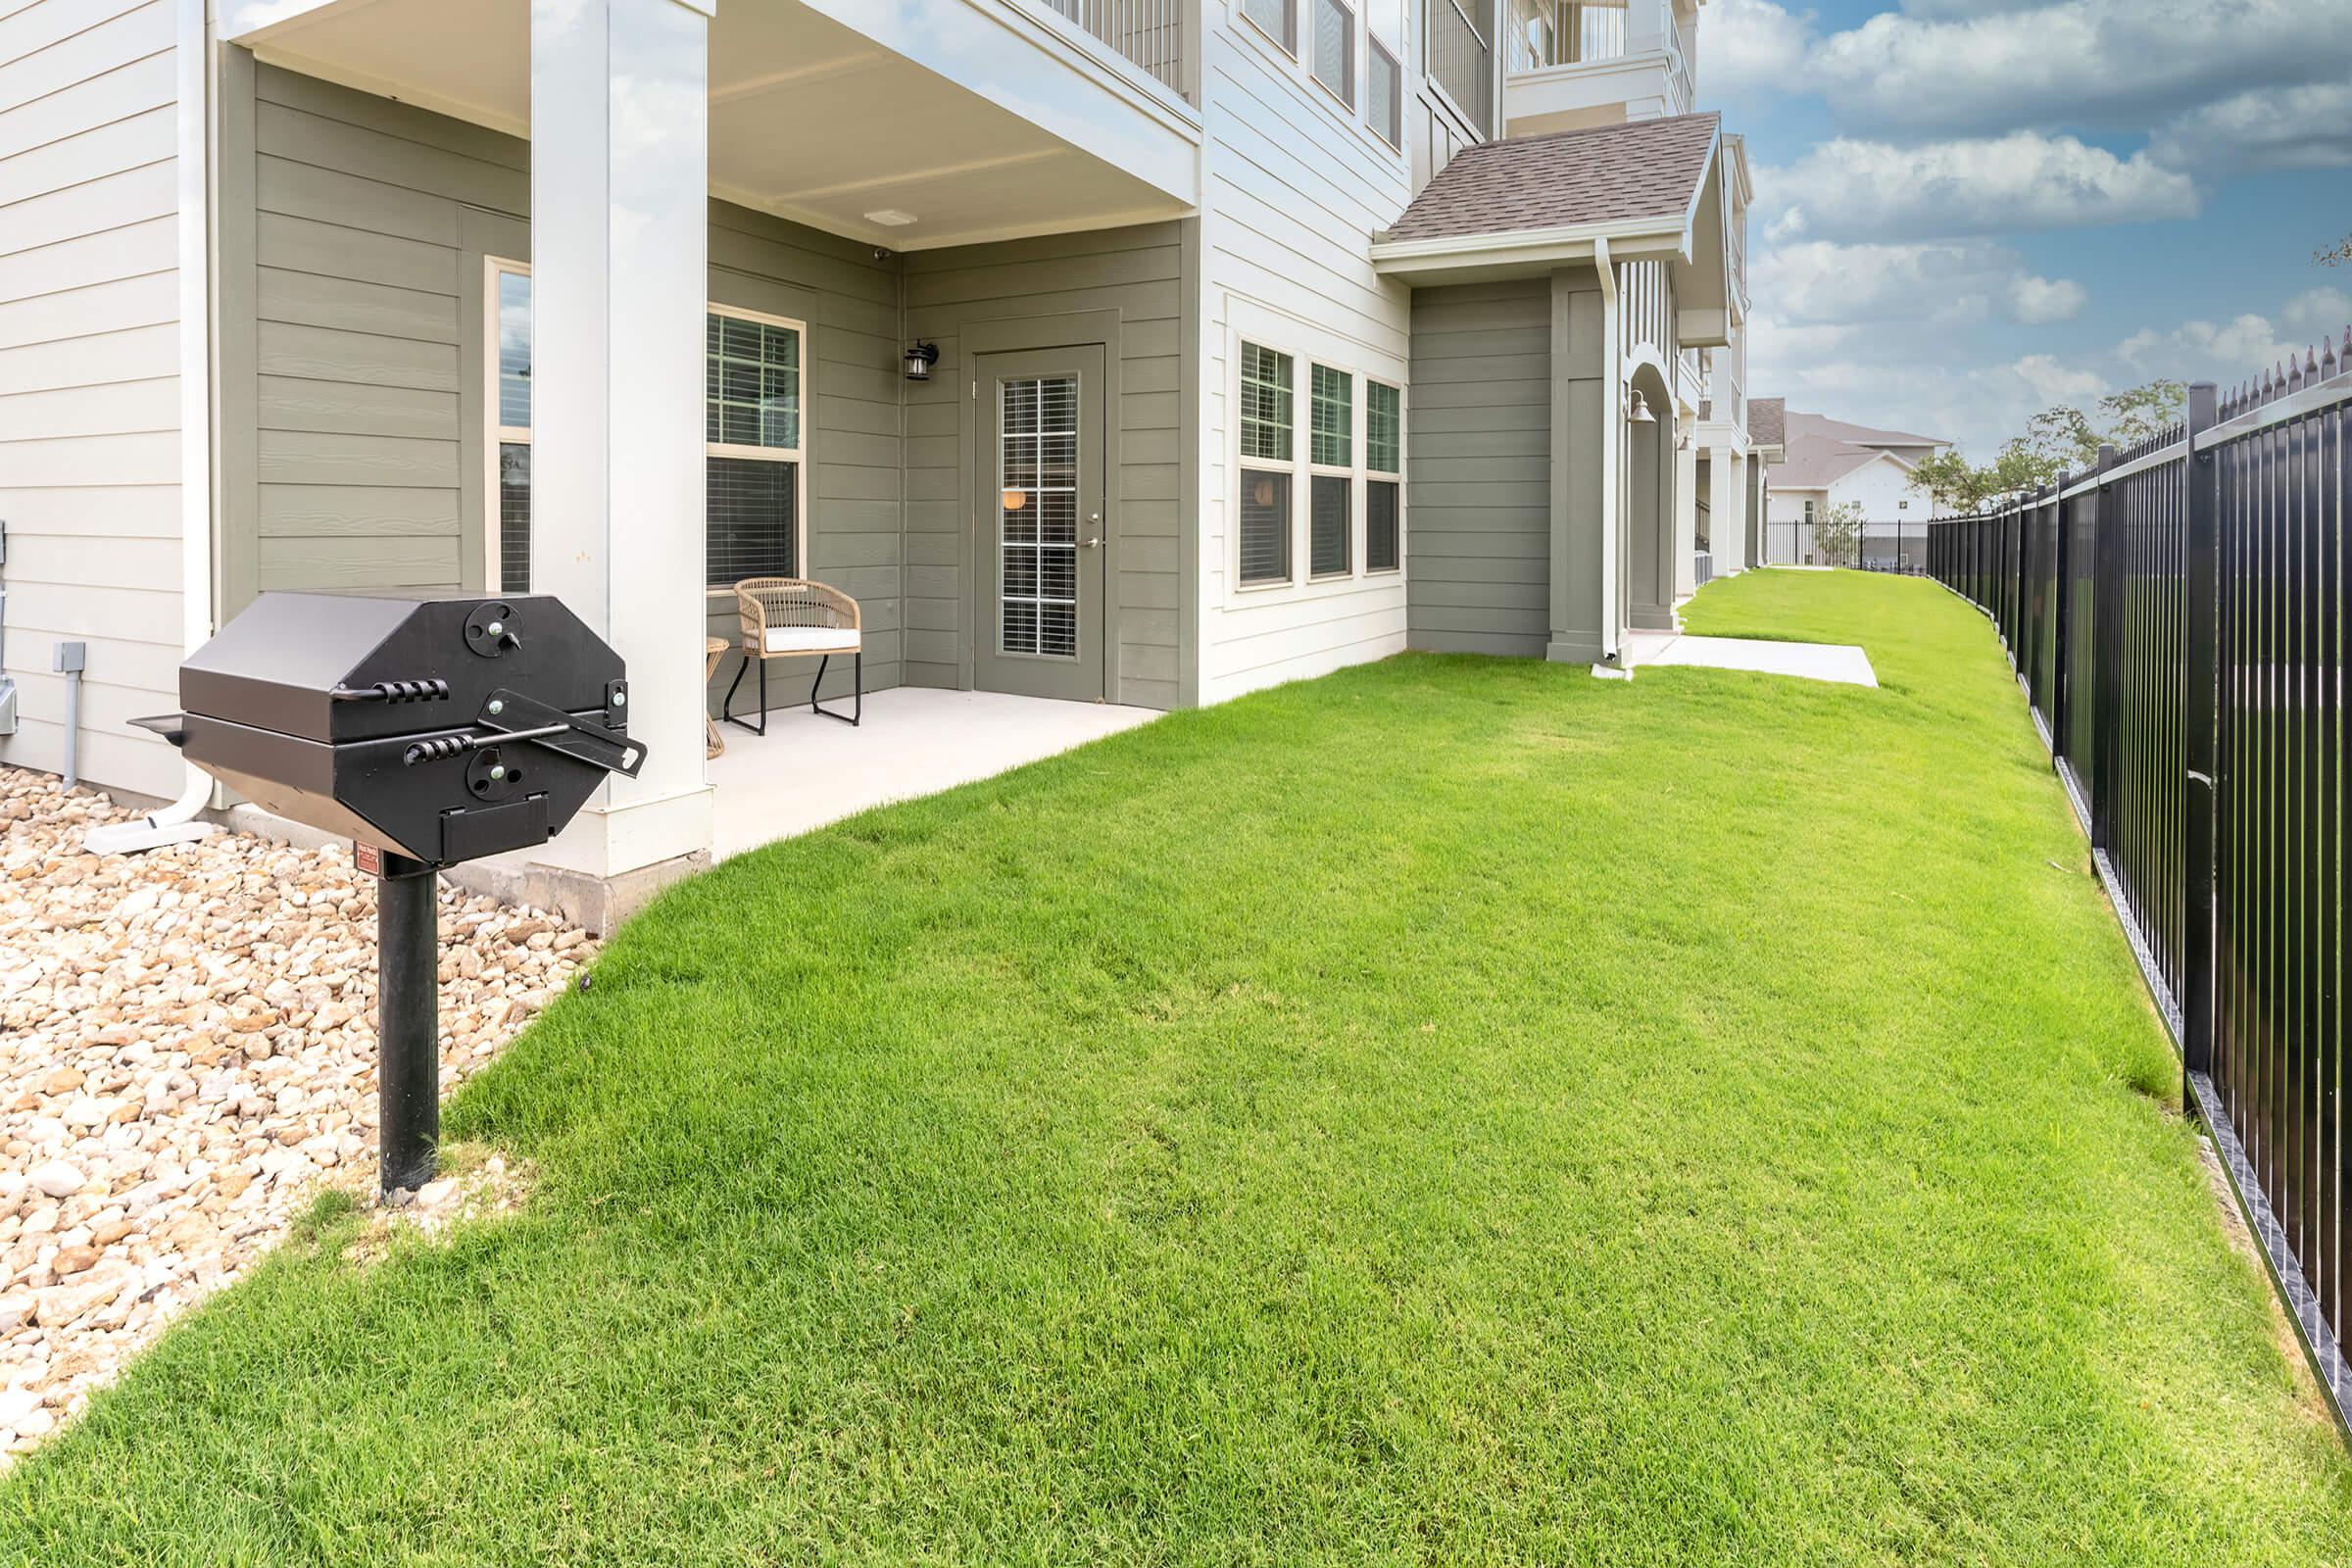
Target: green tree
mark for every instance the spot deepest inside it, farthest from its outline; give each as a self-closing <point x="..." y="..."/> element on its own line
<point x="1948" y="482"/>
<point x="2142" y="411"/>
<point x="1837" y="534"/>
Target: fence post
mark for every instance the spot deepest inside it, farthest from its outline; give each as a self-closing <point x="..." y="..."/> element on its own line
<point x="2201" y="472"/>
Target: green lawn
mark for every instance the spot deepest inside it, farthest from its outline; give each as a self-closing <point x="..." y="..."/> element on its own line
<point x="1454" y="1111"/>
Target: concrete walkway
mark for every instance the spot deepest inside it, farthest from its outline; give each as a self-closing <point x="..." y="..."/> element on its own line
<point x="1841" y="663"/>
<point x="810" y="771"/>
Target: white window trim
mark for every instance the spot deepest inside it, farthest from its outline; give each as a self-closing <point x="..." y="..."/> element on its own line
<point x="1352" y="472"/>
<point x="798" y="456"/>
<point x="1293" y="466"/>
<point x="1372" y="475"/>
<point x="1287" y="51"/>
<point x="1299" y="343"/>
<point x="1373" y="44"/>
<point x="1355" y="41"/>
<point x="499" y="435"/>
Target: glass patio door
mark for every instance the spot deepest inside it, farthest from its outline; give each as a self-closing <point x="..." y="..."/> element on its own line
<point x="1040" y="545"/>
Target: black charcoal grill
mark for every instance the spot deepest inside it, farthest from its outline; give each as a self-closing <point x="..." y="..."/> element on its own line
<point x="428" y="731"/>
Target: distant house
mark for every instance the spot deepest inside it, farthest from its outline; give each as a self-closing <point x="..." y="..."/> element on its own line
<point x="1826" y="463"/>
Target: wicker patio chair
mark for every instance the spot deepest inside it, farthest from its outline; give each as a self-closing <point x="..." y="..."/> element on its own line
<point x="791" y="617"/>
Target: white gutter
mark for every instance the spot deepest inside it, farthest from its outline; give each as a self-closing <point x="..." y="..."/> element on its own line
<point x="176" y="822"/>
<point x="1612" y="380"/>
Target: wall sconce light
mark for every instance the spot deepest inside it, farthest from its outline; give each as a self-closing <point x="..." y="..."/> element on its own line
<point x="920" y="357"/>
<point x="1639" y="412"/>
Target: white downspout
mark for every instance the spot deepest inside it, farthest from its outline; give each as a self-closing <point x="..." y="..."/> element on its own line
<point x="176" y="822"/>
<point x="1612" y="373"/>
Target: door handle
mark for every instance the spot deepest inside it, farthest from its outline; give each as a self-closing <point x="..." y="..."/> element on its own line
<point x="1094" y="543"/>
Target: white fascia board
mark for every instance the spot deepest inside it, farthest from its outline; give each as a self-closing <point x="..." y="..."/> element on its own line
<point x="253" y="21"/>
<point x="1012" y="58"/>
<point x="1631" y="239"/>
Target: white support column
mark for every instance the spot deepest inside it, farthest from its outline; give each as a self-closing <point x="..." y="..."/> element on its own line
<point x="619" y="225"/>
<point x="1726" y="472"/>
<point x="1685" y="508"/>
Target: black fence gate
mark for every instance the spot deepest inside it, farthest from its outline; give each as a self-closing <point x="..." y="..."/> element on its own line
<point x="2177" y="618"/>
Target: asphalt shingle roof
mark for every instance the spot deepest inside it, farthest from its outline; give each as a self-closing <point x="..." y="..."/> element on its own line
<point x="1605" y="175"/>
<point x="1768" y="421"/>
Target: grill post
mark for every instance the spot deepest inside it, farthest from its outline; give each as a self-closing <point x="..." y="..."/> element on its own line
<point x="2201" y="654"/>
<point x="408" y="1070"/>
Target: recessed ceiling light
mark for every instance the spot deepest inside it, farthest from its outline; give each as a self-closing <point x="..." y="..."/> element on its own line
<point x="890" y="218"/>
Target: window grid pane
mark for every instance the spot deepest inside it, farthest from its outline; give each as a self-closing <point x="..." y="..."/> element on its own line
<point x="1327" y="525"/>
<point x="1384" y="95"/>
<point x="513" y="351"/>
<point x="1265" y="404"/>
<point x="1276" y="17"/>
<point x="752" y="383"/>
<point x="1037" y="513"/>
<point x="753" y="507"/>
<point x="1265" y="535"/>
<point x="1333" y="416"/>
<point x="513" y="517"/>
<point x="1335" y="48"/>
<point x="1380" y="525"/>
<point x="1384" y="429"/>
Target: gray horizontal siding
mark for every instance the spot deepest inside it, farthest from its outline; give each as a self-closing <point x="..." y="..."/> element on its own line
<point x="1135" y="271"/>
<point x="361" y="268"/>
<point x="1478" y="577"/>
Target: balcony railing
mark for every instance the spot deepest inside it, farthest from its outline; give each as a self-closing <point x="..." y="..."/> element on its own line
<point x="1155" y="35"/>
<point x="1557" y="33"/>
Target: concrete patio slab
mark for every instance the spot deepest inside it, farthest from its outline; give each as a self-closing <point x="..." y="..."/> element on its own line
<point x="808" y="770"/>
<point x="1840" y="662"/>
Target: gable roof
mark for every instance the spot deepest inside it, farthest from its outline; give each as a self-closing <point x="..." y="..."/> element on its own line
<point x="1801" y="425"/>
<point x="1817" y="451"/>
<point x="1648" y="169"/>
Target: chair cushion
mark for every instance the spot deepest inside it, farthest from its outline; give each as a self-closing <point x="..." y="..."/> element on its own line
<point x="810" y="638"/>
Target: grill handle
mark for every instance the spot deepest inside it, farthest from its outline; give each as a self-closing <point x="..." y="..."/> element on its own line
<point x="392" y="691"/>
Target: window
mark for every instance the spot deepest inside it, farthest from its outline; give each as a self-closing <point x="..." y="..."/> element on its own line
<point x="751" y="424"/>
<point x="1384" y="70"/>
<point x="753" y="390"/>
<point x="1266" y="429"/>
<point x="510" y="299"/>
<point x="1331" y="444"/>
<point x="1384" y="455"/>
<point x="1334" y="59"/>
<point x="1278" y="20"/>
<point x="1461" y="57"/>
<point x="1809" y="513"/>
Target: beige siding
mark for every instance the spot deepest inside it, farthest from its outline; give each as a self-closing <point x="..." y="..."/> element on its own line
<point x="89" y="389"/>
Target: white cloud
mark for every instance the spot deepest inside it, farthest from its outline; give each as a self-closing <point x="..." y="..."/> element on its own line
<point x="1922" y="285"/>
<point x="2053" y="382"/>
<point x="2297" y="128"/>
<point x="2244" y="346"/>
<point x="2042" y="300"/>
<point x="1851" y="189"/>
<point x="1946" y="67"/>
<point x="1750" y="47"/>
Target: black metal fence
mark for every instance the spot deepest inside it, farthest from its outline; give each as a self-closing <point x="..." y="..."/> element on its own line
<point x="2178" y="619"/>
<point x="1899" y="546"/>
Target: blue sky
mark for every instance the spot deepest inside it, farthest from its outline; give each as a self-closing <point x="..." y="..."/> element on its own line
<point x="1969" y="209"/>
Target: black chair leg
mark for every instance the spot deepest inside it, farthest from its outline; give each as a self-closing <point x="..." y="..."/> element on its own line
<point x="858" y="714"/>
<point x="727" y="704"/>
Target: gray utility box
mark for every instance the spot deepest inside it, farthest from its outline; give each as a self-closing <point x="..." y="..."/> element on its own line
<point x="439" y="728"/>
